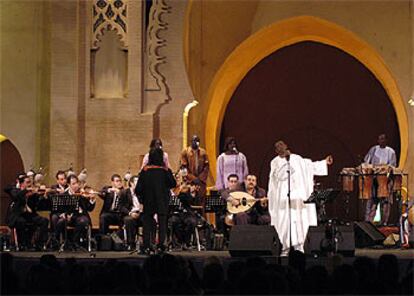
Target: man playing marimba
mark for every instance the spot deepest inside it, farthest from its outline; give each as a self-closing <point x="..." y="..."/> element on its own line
<point x="378" y="155"/>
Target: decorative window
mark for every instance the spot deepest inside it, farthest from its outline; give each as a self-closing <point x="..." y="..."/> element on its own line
<point x="109" y="49"/>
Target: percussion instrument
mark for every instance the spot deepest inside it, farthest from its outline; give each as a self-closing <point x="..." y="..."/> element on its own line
<point x="365" y="181"/>
<point x="397" y="176"/>
<point x="382" y="173"/>
<point x="347" y="175"/>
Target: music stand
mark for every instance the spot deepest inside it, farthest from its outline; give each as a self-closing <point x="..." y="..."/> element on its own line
<point x="174" y="204"/>
<point x="320" y="198"/>
<point x="215" y="204"/>
<point x="64" y="203"/>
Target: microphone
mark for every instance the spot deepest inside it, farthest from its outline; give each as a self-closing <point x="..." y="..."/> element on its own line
<point x="235" y="150"/>
<point x="287" y="155"/>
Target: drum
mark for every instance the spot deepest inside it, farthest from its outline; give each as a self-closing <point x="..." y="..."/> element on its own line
<point x="347" y="175"/>
<point x="397" y="176"/>
<point x="365" y="181"/>
<point x="381" y="173"/>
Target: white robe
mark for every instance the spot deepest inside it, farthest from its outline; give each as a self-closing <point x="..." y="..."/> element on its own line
<point x="301" y="185"/>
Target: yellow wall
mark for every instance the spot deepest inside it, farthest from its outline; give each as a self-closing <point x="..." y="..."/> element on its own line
<point x="25" y="70"/>
<point x="213" y="30"/>
<point x="385" y="26"/>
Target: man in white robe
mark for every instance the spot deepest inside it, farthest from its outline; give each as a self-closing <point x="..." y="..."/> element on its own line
<point x="301" y="215"/>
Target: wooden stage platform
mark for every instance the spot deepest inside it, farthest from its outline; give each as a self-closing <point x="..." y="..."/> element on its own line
<point x="374" y="253"/>
<point x="24" y="260"/>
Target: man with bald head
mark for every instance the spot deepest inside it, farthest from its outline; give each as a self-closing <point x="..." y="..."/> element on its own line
<point x="293" y="217"/>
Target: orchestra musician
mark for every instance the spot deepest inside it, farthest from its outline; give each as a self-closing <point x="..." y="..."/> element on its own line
<point x="134" y="218"/>
<point x="80" y="218"/>
<point x="232" y="185"/>
<point x="259" y="213"/>
<point x="114" y="207"/>
<point x="23" y="211"/>
<point x="380" y="154"/>
<point x="60" y="187"/>
<point x="184" y="222"/>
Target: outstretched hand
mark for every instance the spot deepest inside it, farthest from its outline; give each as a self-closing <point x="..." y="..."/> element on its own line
<point x="329" y="159"/>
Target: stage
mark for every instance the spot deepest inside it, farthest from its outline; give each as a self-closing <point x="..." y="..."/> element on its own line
<point x="24" y="260"/>
<point x="374" y="253"/>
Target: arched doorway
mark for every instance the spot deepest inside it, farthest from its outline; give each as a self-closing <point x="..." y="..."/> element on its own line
<point x="317" y="98"/>
<point x="11" y="165"/>
<point x="282" y="34"/>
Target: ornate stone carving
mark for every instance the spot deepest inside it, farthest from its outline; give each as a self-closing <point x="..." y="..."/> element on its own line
<point x="155" y="42"/>
<point x="109" y="15"/>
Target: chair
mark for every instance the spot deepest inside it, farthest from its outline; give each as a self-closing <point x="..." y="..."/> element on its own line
<point x="28" y="228"/>
<point x="15" y="239"/>
<point x="197" y="238"/>
<point x="88" y="237"/>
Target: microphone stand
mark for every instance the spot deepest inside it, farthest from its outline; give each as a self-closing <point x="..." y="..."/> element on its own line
<point x="290" y="210"/>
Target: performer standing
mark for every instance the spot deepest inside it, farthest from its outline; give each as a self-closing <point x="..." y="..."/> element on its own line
<point x="155" y="143"/>
<point x="195" y="160"/>
<point x="292" y="219"/>
<point x="380" y="154"/>
<point x="231" y="161"/>
<point x="154" y="184"/>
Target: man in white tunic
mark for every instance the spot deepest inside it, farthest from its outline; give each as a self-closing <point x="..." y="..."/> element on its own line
<point x="300" y="215"/>
<point x="379" y="155"/>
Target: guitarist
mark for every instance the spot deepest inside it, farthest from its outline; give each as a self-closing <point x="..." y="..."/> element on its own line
<point x="259" y="213"/>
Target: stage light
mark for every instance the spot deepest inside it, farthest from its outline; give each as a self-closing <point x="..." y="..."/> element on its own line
<point x="411" y="102"/>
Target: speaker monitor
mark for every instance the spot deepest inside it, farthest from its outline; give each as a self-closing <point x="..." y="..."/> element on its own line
<point x="319" y="241"/>
<point x="104" y="242"/>
<point x="366" y="235"/>
<point x="254" y="240"/>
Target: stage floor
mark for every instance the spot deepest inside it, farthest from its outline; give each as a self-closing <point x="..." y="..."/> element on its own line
<point x="24" y="260"/>
<point x="372" y="253"/>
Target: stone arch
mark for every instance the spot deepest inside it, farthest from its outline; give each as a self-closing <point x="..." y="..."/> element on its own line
<point x="279" y="35"/>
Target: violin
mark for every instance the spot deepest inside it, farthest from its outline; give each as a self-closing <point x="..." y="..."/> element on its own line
<point x="86" y="192"/>
<point x="40" y="190"/>
<point x="182" y="182"/>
